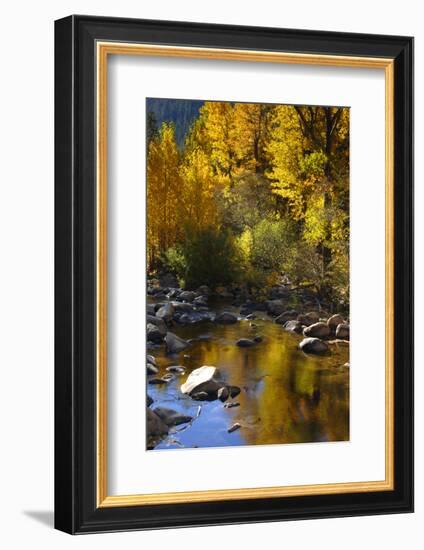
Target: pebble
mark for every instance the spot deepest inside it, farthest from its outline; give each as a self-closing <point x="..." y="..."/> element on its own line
<point x="234" y="427"/>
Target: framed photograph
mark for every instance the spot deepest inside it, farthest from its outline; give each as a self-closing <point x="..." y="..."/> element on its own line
<point x="234" y="274"/>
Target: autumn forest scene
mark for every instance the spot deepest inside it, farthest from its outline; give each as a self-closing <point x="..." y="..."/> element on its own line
<point x="247" y="273"/>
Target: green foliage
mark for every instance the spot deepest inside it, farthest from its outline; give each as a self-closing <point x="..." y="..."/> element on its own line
<point x="209" y="257"/>
<point x="174" y="262"/>
<point x="272" y="242"/>
<point x="247" y="202"/>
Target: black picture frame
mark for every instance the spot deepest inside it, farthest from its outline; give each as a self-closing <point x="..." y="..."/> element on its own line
<point x="75" y="275"/>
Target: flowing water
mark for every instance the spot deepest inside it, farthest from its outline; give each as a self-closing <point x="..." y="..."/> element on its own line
<point x="286" y="396"/>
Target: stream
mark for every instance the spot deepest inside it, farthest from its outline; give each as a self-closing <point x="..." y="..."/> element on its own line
<point x="286" y="396"/>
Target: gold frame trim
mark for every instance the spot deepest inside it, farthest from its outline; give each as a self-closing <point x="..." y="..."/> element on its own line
<point x="104" y="49"/>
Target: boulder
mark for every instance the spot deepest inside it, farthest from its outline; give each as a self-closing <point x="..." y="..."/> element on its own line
<point x="206" y="375"/>
<point x="182" y="307"/>
<point x="334" y="321"/>
<point x="151" y="359"/>
<point x="187" y="296"/>
<point x="174" y="344"/>
<point x="317" y="330"/>
<point x="205" y="384"/>
<point x="342" y="331"/>
<point x="150" y="309"/>
<point x="149" y="400"/>
<point x="257" y="339"/>
<point x="171" y="417"/>
<point x="159" y="323"/>
<point x="293" y="326"/>
<point x="313" y="345"/>
<point x="234" y="390"/>
<point x="166" y="312"/>
<point x="158" y="381"/>
<point x="308" y="318"/>
<point x="286" y="316"/>
<point x="200" y="396"/>
<point x="195" y="317"/>
<point x="151" y="369"/>
<point x="174" y="293"/>
<point x="276" y="307"/>
<point x="155" y="425"/>
<point x="154" y="334"/>
<point x="154" y="290"/>
<point x="177" y="369"/>
<point x="226" y="318"/>
<point x="245" y="343"/>
<point x="223" y="394"/>
<point x="200" y="301"/>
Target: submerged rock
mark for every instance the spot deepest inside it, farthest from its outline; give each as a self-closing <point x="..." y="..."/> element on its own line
<point x="234" y="427"/>
<point x="171" y="417"/>
<point x="293" y="326"/>
<point x="195" y="317"/>
<point x="177" y="369"/>
<point x="155" y="425"/>
<point x="313" y="345"/>
<point x="158" y="381"/>
<point x="286" y="316"/>
<point x="231" y="405"/>
<point x="317" y="330"/>
<point x="226" y="318"/>
<point x="174" y="344"/>
<point x="245" y="343"/>
<point x="151" y="369"/>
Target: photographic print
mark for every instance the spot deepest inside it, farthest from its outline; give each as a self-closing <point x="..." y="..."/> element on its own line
<point x="247" y="273"/>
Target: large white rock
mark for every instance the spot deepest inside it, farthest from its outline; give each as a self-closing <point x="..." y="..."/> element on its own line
<point x="200" y="377"/>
